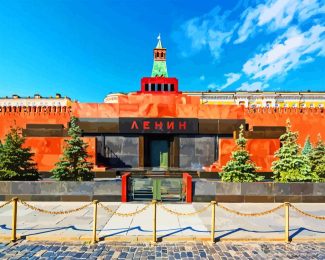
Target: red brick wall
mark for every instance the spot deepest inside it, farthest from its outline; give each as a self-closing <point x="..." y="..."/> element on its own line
<point x="261" y="150"/>
<point x="49" y="149"/>
<point x="308" y="121"/>
<point x="21" y="118"/>
<point x="157" y="105"/>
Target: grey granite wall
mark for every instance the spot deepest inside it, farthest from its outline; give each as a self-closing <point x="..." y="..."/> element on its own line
<point x="203" y="191"/>
<point x="107" y="190"/>
<point x="207" y="190"/>
<point x="196" y="151"/>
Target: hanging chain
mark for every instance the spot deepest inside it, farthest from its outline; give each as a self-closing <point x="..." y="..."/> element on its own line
<point x="184" y="214"/>
<point x="307" y="214"/>
<point x="108" y="209"/>
<point x="258" y="214"/>
<point x="54" y="212"/>
<point x="5" y="204"/>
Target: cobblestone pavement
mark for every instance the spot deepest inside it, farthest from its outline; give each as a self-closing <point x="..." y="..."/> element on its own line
<point x="190" y="250"/>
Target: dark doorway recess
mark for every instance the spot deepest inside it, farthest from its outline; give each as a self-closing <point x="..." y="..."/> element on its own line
<point x="160" y="151"/>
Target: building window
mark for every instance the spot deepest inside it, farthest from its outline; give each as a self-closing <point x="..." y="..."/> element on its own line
<point x="196" y="152"/>
<point x="146" y="87"/>
<point x="172" y="87"/>
<point x="118" y="151"/>
<point x="165" y="87"/>
<point x="159" y="87"/>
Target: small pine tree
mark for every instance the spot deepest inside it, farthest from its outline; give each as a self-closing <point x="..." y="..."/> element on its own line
<point x="240" y="168"/>
<point x="307" y="147"/>
<point x="73" y="165"/>
<point x="317" y="159"/>
<point x="16" y="161"/>
<point x="291" y="166"/>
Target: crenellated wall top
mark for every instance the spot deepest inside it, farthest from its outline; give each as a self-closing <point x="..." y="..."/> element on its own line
<point x="35" y="101"/>
<point x="34" y="109"/>
<point x="283" y="110"/>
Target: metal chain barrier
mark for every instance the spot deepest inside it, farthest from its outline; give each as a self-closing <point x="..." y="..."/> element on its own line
<point x="5" y="204"/>
<point x="184" y="214"/>
<point x="53" y="212"/>
<point x="307" y="214"/>
<point x="123" y="214"/>
<point x="154" y="203"/>
<point x="243" y="214"/>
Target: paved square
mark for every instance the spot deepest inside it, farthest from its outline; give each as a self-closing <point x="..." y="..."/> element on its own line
<point x="189" y="250"/>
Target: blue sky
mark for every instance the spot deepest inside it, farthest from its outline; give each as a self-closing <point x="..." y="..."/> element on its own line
<point x="87" y="49"/>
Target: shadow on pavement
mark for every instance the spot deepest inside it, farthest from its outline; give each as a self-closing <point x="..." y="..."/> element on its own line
<point x="118" y="231"/>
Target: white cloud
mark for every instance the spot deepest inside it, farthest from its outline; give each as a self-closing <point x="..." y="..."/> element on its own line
<point x="299" y="38"/>
<point x="310" y="8"/>
<point x="216" y="40"/>
<point x="276" y="14"/>
<point x="248" y="26"/>
<point x="212" y="86"/>
<point x="287" y="52"/>
<point x="231" y="78"/>
<point x="212" y="30"/>
<point x="252" y="86"/>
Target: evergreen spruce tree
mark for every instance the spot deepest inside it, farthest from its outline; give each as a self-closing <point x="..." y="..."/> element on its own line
<point x="73" y="165"/>
<point x="307" y="147"/>
<point x="16" y="161"/>
<point x="291" y="166"/>
<point x="317" y="159"/>
<point x="240" y="168"/>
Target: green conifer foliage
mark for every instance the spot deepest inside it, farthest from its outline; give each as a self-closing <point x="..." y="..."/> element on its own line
<point x="292" y="165"/>
<point x="317" y="159"/>
<point x="73" y="165"/>
<point x="16" y="161"/>
<point x="307" y="147"/>
<point x="240" y="168"/>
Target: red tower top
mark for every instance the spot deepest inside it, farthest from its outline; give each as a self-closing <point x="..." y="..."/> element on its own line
<point x="159" y="85"/>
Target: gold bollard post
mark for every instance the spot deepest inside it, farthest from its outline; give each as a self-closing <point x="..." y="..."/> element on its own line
<point x="286" y="230"/>
<point x="213" y="220"/>
<point x="154" y="235"/>
<point x="14" y="219"/>
<point x="94" y="239"/>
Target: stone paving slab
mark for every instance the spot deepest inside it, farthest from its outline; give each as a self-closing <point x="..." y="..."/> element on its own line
<point x="189" y="250"/>
<point x="34" y="224"/>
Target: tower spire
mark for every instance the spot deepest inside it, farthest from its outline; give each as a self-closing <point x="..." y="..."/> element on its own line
<point x="159" y="45"/>
<point x="159" y="68"/>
